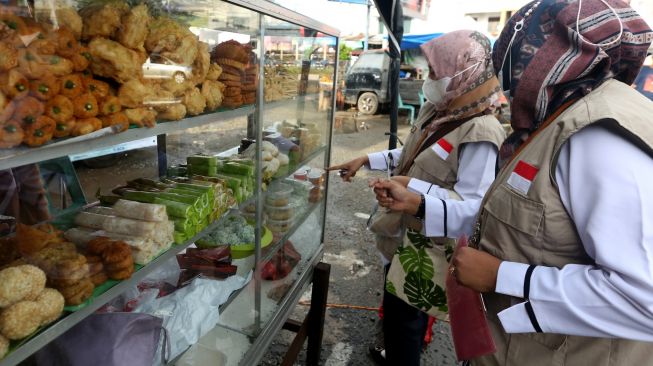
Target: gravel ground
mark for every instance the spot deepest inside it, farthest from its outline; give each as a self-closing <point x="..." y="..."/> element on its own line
<point x="356" y="270"/>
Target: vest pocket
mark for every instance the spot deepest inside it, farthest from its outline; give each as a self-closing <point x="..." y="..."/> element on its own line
<point x="515" y="210"/>
<point x="434" y="169"/>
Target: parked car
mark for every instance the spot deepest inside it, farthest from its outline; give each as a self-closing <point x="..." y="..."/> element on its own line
<point x="366" y="82"/>
<point x="160" y="67"/>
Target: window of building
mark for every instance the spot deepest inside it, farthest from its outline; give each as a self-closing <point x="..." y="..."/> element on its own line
<point x="493" y="25"/>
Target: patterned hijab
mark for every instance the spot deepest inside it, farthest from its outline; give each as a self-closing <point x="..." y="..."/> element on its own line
<point x="475" y="90"/>
<point x="550" y="64"/>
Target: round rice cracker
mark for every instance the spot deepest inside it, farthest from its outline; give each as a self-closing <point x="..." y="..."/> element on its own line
<point x="228" y="62"/>
<point x="231" y="92"/>
<point x="230" y="77"/>
<point x="99" y="278"/>
<point x="84" y="292"/>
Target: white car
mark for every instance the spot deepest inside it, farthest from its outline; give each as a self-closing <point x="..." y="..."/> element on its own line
<point x="160" y="67"/>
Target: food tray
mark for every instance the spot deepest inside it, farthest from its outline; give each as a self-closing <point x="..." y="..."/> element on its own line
<point x="245" y="250"/>
<point x="99" y="290"/>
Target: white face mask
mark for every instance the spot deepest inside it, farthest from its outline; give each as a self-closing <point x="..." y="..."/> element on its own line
<point x="434" y="90"/>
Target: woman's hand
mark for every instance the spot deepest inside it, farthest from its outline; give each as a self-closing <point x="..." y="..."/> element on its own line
<point x="350" y="168"/>
<point x="475" y="269"/>
<point x="401" y="179"/>
<point x="395" y="196"/>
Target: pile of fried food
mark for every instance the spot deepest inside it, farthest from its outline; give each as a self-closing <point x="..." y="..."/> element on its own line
<point x="239" y="74"/>
<point x="69" y="73"/>
<point x="73" y="271"/>
<point x="25" y="303"/>
<point x="280" y="83"/>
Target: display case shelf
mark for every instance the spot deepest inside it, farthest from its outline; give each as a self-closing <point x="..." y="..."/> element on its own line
<point x="107" y="138"/>
<point x="67" y="322"/>
<point x="302" y="216"/>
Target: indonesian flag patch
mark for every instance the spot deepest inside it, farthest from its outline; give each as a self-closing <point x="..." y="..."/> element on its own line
<point x="443" y="148"/>
<point x="522" y="177"/>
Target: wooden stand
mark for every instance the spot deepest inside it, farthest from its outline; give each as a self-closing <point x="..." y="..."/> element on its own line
<point x="313" y="325"/>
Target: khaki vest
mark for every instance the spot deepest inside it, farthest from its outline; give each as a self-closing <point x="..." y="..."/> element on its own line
<point x="430" y="167"/>
<point x="535" y="228"/>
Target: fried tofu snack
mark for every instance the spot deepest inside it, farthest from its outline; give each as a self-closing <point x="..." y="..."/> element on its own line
<point x="110" y="59"/>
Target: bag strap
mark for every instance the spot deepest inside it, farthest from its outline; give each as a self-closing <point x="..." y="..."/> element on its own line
<point x="165" y="351"/>
<point x="435" y="136"/>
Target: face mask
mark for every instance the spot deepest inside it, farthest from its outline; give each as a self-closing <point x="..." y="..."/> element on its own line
<point x="434" y="90"/>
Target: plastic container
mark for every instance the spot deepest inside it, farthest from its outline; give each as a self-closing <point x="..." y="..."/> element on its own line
<point x="251" y="217"/>
<point x="279" y="226"/>
<point x="301" y="175"/>
<point x="278" y="194"/>
<point x="280" y="212"/>
<point x="300" y="188"/>
<point x="315" y="177"/>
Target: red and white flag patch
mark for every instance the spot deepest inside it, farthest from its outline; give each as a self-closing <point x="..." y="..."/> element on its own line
<point x="442" y="148"/>
<point x="522" y="177"/>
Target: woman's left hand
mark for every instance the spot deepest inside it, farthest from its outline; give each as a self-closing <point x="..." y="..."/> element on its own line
<point x="475" y="269"/>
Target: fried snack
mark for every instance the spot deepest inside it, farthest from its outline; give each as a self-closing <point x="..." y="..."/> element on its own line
<point x="98" y="245"/>
<point x="51" y="305"/>
<point x="99" y="89"/>
<point x="134" y="93"/>
<point x="232" y="50"/>
<point x="212" y="93"/>
<point x="122" y="275"/>
<point x="102" y="20"/>
<point x="6" y="108"/>
<point x="66" y="43"/>
<point x="173" y="112"/>
<point x="99" y="278"/>
<point x="39" y="132"/>
<point x="134" y="28"/>
<point x="201" y="64"/>
<point x="119" y="119"/>
<point x="43" y="46"/>
<point x="116" y="253"/>
<point x="19" y="283"/>
<point x="230" y="78"/>
<point x="214" y="72"/>
<point x="110" y="105"/>
<point x="35" y="66"/>
<point x="8" y="57"/>
<point x="141" y="116"/>
<point x="172" y="40"/>
<point x="11" y="135"/>
<point x="60" y="109"/>
<point x="232" y="102"/>
<point x="69" y="18"/>
<point x="194" y="102"/>
<point x="112" y="60"/>
<point x="229" y="62"/>
<point x="248" y="88"/>
<point x="4" y="346"/>
<point x="13" y="84"/>
<point x="83" y="293"/>
<point x="72" y="85"/>
<point x="14" y="22"/>
<point x="232" y="92"/>
<point x="45" y="88"/>
<point x="177" y="89"/>
<point x="34" y="245"/>
<point x="64" y="129"/>
<point x="86" y="126"/>
<point x="226" y="69"/>
<point x="85" y="106"/>
<point x="28" y="110"/>
<point x="71" y="278"/>
<point x="126" y="263"/>
<point x="81" y="59"/>
<point x="231" y="84"/>
<point x="222" y="86"/>
<point x="94" y="264"/>
<point x="20" y="320"/>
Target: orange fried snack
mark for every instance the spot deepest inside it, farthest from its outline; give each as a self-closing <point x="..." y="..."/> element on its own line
<point x="110" y="105"/>
<point x="86" y="126"/>
<point x="8" y="57"/>
<point x="67" y="44"/>
<point x="45" y="88"/>
<point x="85" y="106"/>
<point x="11" y="135"/>
<point x="39" y="132"/>
<point x="60" y="109"/>
<point x="116" y="119"/>
<point x="81" y="59"/>
<point x="141" y="117"/>
<point x="72" y="85"/>
<point x="28" y="110"/>
<point x="99" y="89"/>
<point x="14" y="84"/>
<point x="64" y="129"/>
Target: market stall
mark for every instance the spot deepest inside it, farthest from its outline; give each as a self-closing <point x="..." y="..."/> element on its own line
<point x="162" y="183"/>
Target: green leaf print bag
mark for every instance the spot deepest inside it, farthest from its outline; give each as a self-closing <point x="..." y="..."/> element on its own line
<point x="418" y="271"/>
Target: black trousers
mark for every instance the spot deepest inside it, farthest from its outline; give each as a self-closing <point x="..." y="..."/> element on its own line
<point x="404" y="328"/>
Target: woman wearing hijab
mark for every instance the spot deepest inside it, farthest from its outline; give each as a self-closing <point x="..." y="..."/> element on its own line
<point x="450" y="152"/>
<point x="562" y="246"/>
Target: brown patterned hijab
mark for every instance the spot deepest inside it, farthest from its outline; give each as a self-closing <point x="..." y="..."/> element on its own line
<point x="465" y="57"/>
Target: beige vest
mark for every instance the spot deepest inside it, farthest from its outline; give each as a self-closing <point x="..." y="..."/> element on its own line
<point x="535" y="228"/>
<point x="430" y="167"/>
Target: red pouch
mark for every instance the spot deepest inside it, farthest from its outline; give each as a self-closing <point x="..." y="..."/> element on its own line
<point x="469" y="327"/>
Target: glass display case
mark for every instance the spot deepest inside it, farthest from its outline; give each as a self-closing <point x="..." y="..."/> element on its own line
<point x="169" y="146"/>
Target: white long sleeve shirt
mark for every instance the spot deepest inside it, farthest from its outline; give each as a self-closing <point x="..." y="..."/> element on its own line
<point x="605" y="185"/>
<point x="476" y="172"/>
